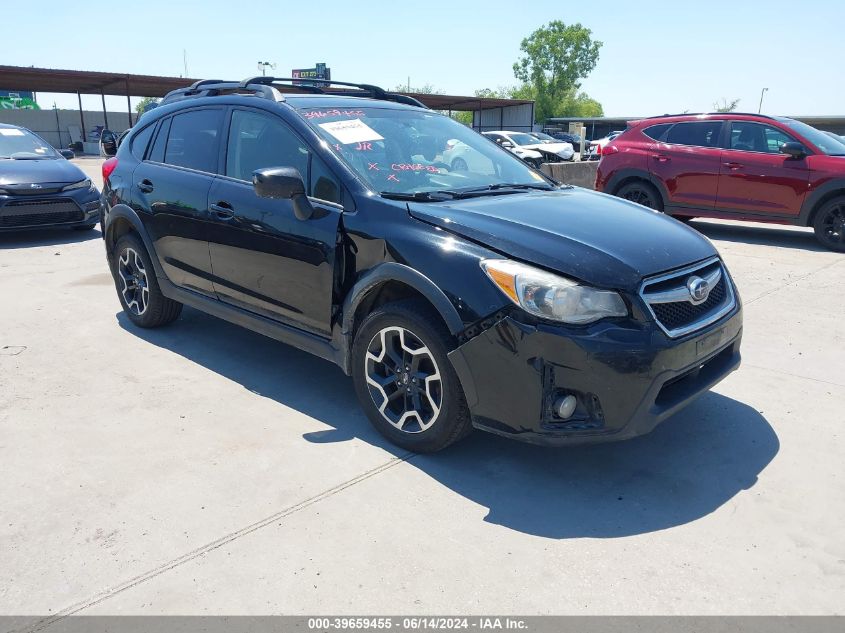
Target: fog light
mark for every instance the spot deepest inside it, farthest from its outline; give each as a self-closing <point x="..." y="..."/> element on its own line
<point x="565" y="406"/>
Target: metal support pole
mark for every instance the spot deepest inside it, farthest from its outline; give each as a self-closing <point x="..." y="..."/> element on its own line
<point x="128" y="104"/>
<point x="81" y="117"/>
<point x="105" y="114"/>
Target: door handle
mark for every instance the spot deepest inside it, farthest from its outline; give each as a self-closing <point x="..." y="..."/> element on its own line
<point x="146" y="186"/>
<point x="661" y="158"/>
<point x="733" y="165"/>
<point x="223" y="210"/>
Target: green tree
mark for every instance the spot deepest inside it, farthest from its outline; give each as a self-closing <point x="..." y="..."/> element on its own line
<point x="426" y="89"/>
<point x="139" y="107"/>
<point x="725" y="106"/>
<point x="555" y="58"/>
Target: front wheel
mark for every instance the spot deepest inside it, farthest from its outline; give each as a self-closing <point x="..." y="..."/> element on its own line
<point x="404" y="380"/>
<point x="829" y="224"/>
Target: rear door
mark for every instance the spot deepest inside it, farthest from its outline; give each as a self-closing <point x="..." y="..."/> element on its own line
<point x="687" y="161"/>
<point x="755" y="177"/>
<point x="264" y="258"/>
<point x="172" y="186"/>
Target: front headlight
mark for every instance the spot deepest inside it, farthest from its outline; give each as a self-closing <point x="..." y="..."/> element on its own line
<point x="82" y="184"/>
<point x="551" y="296"/>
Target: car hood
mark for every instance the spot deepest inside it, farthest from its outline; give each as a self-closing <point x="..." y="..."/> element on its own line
<point x="595" y="238"/>
<point x="41" y="171"/>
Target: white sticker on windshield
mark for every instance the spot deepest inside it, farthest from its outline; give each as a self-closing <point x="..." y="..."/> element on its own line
<point x="351" y="131"/>
<point x="10" y="131"/>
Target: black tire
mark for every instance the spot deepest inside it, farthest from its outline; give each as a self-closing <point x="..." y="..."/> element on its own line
<point x="84" y="227"/>
<point x="459" y="164"/>
<point x="137" y="286"/>
<point x="641" y="192"/>
<point x="829" y="224"/>
<point x="416" y="426"/>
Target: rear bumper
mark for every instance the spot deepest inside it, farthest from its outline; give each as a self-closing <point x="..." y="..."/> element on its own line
<point x="626" y="379"/>
<point x="74" y="208"/>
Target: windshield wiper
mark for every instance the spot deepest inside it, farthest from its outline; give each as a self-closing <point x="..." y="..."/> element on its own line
<point x="421" y="196"/>
<point x="501" y="188"/>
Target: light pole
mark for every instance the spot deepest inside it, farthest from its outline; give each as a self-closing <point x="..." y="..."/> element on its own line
<point x="762" y="92"/>
<point x="262" y="66"/>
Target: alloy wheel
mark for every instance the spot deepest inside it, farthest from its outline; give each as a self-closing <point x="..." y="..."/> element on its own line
<point x="640" y="196"/>
<point x="833" y="225"/>
<point x="403" y="379"/>
<point x="133" y="275"/>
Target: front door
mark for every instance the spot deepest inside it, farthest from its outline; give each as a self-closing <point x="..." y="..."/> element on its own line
<point x="264" y="258"/>
<point x="755" y="177"/>
<point x="687" y="162"/>
<point x="171" y="189"/>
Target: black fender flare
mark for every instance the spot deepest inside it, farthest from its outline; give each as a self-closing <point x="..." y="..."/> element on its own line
<point x="812" y="200"/>
<point x="125" y="212"/>
<point x="625" y="174"/>
<point x="370" y="281"/>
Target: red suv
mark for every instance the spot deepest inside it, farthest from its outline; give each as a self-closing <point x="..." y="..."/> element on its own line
<point x="731" y="166"/>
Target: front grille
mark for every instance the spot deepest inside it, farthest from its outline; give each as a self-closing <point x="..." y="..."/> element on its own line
<point x="673" y="307"/>
<point x="20" y="213"/>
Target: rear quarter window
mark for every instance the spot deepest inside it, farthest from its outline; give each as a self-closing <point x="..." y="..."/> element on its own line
<point x="657" y="131"/>
<point x="140" y="142"/>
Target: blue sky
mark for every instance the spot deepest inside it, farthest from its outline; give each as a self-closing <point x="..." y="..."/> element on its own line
<point x="657" y="56"/>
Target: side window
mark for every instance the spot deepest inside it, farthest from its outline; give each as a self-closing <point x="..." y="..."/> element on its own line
<point x="257" y="140"/>
<point x="322" y="184"/>
<point x="157" y="152"/>
<point x="656" y="131"/>
<point x="140" y="141"/>
<point x="697" y="133"/>
<point x="747" y="136"/>
<point x="194" y="140"/>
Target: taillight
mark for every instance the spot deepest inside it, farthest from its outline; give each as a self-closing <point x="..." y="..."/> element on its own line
<point x="610" y="149"/>
<point x="598" y="150"/>
<point x="108" y="167"/>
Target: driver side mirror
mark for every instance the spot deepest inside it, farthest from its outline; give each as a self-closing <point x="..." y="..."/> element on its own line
<point x="67" y="153"/>
<point x="793" y="150"/>
<point x="283" y="183"/>
<point x="507" y="144"/>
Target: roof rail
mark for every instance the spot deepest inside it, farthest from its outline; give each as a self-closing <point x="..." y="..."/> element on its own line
<point x="215" y="87"/>
<point x="660" y="116"/>
<point x="322" y="84"/>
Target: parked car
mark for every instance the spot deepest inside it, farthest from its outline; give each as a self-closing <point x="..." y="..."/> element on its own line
<point x="597" y="147"/>
<point x="573" y="139"/>
<point x="39" y="187"/>
<point x="459" y="156"/>
<point x="547" y="139"/>
<point x="736" y="166"/>
<point x="525" y="142"/>
<point x="455" y="299"/>
<point x="530" y="156"/>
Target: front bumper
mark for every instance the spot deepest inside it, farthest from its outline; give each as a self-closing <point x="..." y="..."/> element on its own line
<point x="626" y="378"/>
<point x="62" y="209"/>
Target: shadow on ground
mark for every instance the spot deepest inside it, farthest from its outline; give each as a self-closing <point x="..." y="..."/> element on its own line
<point x="688" y="467"/>
<point x="764" y="235"/>
<point x="45" y="237"/>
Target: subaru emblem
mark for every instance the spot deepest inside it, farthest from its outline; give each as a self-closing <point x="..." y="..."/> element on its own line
<point x="34" y="186"/>
<point x="699" y="289"/>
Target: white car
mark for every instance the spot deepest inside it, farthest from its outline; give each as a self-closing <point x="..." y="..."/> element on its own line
<point x="597" y="146"/>
<point x="461" y="157"/>
<point x="549" y="151"/>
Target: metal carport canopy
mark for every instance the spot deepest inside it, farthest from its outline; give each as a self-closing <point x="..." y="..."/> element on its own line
<point x="123" y="84"/>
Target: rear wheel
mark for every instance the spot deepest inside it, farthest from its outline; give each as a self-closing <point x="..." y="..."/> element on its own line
<point x="642" y="193"/>
<point x="404" y="380"/>
<point x="137" y="286"/>
<point x="829" y="224"/>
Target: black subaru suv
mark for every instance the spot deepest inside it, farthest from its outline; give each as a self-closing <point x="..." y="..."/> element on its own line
<point x="488" y="297"/>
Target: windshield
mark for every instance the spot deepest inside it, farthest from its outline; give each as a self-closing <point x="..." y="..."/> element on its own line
<point x="826" y="144"/>
<point x="544" y="138"/>
<point x="23" y="144"/>
<point x="523" y="139"/>
<point x="413" y="152"/>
